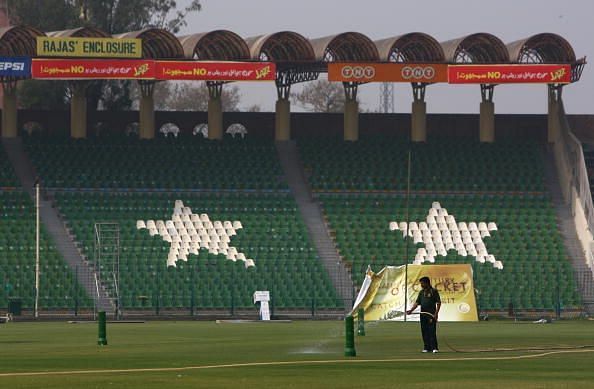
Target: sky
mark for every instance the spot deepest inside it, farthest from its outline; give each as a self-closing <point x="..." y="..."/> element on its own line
<point x="509" y="20"/>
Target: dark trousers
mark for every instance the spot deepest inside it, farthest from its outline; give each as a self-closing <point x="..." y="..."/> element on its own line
<point x="429" y="332"/>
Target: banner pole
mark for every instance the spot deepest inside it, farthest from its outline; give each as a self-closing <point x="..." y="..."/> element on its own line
<point x="407" y="233"/>
<point x="36" y="313"/>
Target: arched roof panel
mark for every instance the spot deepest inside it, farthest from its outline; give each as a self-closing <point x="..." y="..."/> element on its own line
<point x="156" y="43"/>
<point x="411" y="47"/>
<point x="348" y="46"/>
<point x="284" y="46"/>
<point x="81" y="32"/>
<point x="219" y="45"/>
<point x="541" y="48"/>
<point x="19" y="41"/>
<point x="476" y="48"/>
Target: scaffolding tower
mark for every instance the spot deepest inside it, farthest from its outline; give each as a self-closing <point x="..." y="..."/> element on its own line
<point x="107" y="262"/>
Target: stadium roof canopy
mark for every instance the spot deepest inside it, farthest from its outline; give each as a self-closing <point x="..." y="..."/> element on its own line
<point x="345" y="47"/>
<point x="81" y="32"/>
<point x="284" y="46"/>
<point x="541" y="48"/>
<point x="476" y="48"/>
<point x="412" y="47"/>
<point x="157" y="43"/>
<point x="218" y="45"/>
<point x="19" y="41"/>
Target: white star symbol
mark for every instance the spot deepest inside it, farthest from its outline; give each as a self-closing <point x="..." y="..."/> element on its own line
<point x="189" y="232"/>
<point x="440" y="233"/>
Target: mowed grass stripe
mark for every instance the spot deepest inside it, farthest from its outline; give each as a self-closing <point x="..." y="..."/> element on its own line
<point x="296" y="363"/>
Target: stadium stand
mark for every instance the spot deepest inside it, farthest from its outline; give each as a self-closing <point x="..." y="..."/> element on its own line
<point x="180" y="164"/>
<point x="363" y="186"/>
<point x="58" y="285"/>
<point x="234" y="180"/>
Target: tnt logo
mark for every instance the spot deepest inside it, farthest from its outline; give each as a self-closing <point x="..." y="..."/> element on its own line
<point x="358" y="72"/>
<point x="16" y="66"/>
<point x="418" y="72"/>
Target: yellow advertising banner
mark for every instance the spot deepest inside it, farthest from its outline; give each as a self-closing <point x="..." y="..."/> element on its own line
<point x="89" y="47"/>
<point x="382" y="295"/>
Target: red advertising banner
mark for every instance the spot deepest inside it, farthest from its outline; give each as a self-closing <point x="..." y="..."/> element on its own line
<point x="387" y="72"/>
<point x="509" y="74"/>
<point x="216" y="71"/>
<point x="73" y="69"/>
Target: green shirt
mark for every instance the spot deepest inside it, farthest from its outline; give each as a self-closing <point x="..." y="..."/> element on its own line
<point x="427" y="300"/>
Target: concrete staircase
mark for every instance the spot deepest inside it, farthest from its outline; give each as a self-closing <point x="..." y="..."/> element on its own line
<point x="50" y="218"/>
<point x="582" y="273"/>
<point x="314" y="220"/>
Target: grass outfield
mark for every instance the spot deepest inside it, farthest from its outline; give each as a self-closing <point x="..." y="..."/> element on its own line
<point x="299" y="354"/>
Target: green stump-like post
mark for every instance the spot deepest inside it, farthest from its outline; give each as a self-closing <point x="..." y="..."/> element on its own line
<point x="361" y="322"/>
<point x="349" y="342"/>
<point x="102" y="340"/>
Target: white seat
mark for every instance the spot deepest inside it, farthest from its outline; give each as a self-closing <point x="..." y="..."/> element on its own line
<point x="393" y="226"/>
<point x="472" y="226"/>
<point x="480" y="258"/>
<point x="462" y="226"/>
<point x="176" y="218"/>
<point x="150" y="223"/>
<point x="498" y="265"/>
<point x="241" y="256"/>
<point x="217" y="224"/>
<point x="140" y="224"/>
<point x="442" y="212"/>
<point x="227" y="224"/>
<point x="153" y="231"/>
<point x="231" y="256"/>
<point x="194" y="218"/>
<point x="450" y="219"/>
<point x="186" y="211"/>
<point x="413" y="226"/>
<point x="436" y="205"/>
<point x="492" y="226"/>
<point x="249" y="263"/>
<point x="402" y="226"/>
<point x="432" y="212"/>
<point x="204" y="217"/>
<point x="237" y="225"/>
<point x="230" y="232"/>
<point x="169" y="224"/>
<point x="423" y="226"/>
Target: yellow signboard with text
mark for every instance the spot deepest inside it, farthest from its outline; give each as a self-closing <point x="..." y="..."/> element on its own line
<point x="89" y="47"/>
<point x="382" y="295"/>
